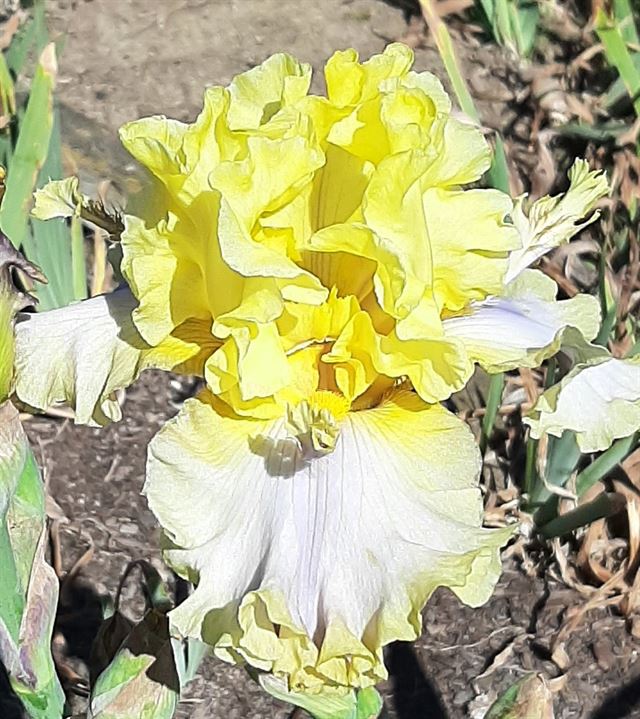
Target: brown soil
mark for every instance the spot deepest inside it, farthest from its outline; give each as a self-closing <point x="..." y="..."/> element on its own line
<point x="122" y="60"/>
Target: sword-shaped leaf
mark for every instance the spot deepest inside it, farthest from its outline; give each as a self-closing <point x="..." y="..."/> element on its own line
<point x="29" y="586"/>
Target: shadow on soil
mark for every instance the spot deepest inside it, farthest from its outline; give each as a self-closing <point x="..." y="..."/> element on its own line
<point x="79" y="618"/>
<point x="414" y="696"/>
<point x="408" y="7"/>
<point x="10" y="705"/>
<point x="621" y="704"/>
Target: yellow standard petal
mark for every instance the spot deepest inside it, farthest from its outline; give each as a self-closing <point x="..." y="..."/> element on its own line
<point x="258" y="94"/>
<point x="329" y="243"/>
<point x="349" y="82"/>
<point x="470" y="241"/>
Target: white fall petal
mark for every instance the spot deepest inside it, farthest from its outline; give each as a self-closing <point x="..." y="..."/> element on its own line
<point x="600" y="402"/>
<point x="79" y="355"/>
<point x="525" y="326"/>
<point x="308" y="566"/>
<point x="82" y="354"/>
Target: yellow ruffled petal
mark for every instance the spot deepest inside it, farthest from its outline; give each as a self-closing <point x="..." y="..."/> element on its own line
<point x="156" y="142"/>
<point x="261" y="303"/>
<point x="398" y="119"/>
<point x="463" y="155"/>
<point x="246" y="354"/>
<point x="258" y="94"/>
<point x="161" y="266"/>
<point x="350" y="82"/>
<point x="436" y="366"/>
<point x="409" y="111"/>
<point x="470" y="243"/>
<point x="304" y="378"/>
<point x="353" y="356"/>
<point x="302" y="325"/>
<point x="270" y="176"/>
<point x="182" y="156"/>
<point x="399" y="279"/>
<point x="393" y="110"/>
<point x="408" y="114"/>
<point x="458" y="152"/>
<point x="394" y="213"/>
<point x="253" y="259"/>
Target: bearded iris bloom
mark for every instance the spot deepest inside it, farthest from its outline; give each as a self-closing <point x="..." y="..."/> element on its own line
<point x="319" y="262"/>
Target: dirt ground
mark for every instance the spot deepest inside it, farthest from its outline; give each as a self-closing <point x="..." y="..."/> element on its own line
<point x="126" y="58"/>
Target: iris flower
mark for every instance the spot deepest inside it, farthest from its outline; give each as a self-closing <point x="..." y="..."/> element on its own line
<point x="321" y="264"/>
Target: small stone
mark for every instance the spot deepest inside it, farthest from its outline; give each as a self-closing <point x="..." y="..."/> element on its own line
<point x="462" y="697"/>
<point x="603" y="654"/>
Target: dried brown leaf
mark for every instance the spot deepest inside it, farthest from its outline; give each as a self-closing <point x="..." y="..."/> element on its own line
<point x="11" y="28"/>
<point x="592" y="542"/>
<point x="545" y="171"/>
<point x="560" y="657"/>
<point x="631" y="467"/>
<point x="603" y="654"/>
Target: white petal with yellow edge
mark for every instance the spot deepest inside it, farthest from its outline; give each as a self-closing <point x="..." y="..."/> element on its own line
<point x="81" y="354"/>
<point x="524" y="327"/>
<point x="306" y="565"/>
<point x="599" y="402"/>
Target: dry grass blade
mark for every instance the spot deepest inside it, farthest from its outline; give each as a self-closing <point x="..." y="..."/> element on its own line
<point x="594" y="541"/>
<point x="502" y="657"/>
<point x="605" y="569"/>
<point x="449" y="57"/>
<point x="10" y="28"/>
<point x="606" y="596"/>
